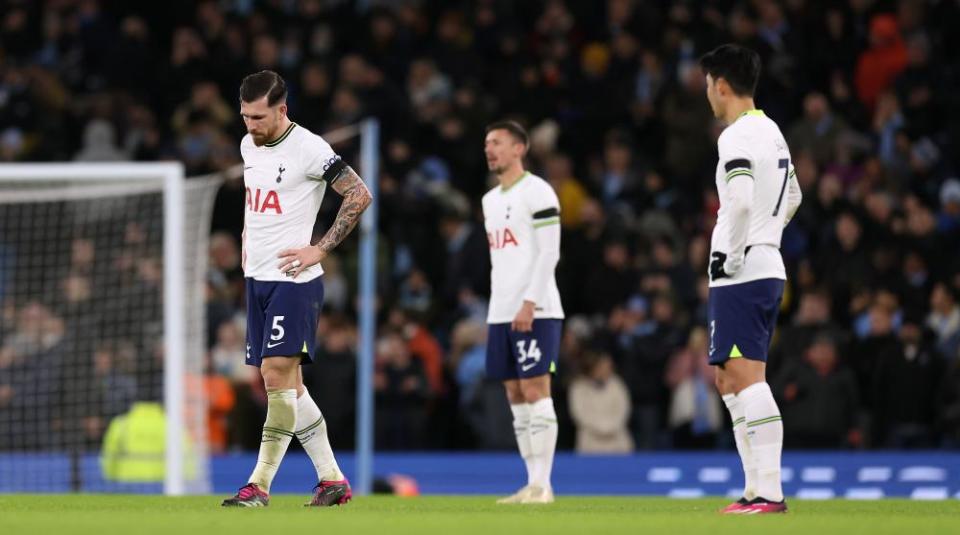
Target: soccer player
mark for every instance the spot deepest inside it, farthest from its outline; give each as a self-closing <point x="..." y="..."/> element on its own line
<point x="758" y="195"/>
<point x="522" y="219"/>
<point x="287" y="169"/>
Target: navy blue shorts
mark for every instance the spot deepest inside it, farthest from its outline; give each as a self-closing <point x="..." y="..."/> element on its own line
<point x="517" y="355"/>
<point x="741" y="318"/>
<point x="282" y="319"/>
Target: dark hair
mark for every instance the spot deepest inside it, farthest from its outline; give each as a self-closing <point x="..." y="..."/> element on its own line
<point x="514" y="128"/>
<point x="264" y="83"/>
<point x="738" y="65"/>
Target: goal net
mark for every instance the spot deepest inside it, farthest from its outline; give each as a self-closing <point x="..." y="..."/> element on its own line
<point x="102" y="328"/>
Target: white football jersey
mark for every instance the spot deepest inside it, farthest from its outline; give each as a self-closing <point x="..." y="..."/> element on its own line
<point x="753" y="147"/>
<point x="284" y="189"/>
<point x="510" y="224"/>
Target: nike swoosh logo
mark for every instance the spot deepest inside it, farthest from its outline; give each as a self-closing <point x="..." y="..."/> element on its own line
<point x="526" y="367"/>
<point x="271" y="346"/>
<point x="245" y="168"/>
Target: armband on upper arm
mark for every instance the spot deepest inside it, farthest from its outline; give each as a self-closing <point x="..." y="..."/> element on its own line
<point x="334" y="171"/>
<point x="738" y="167"/>
<point x="546" y="217"/>
<point x="546" y="213"/>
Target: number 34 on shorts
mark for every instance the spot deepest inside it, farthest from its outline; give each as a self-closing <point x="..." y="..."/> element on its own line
<point x="520" y="355"/>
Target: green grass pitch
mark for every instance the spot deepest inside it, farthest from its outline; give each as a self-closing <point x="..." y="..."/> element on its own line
<point x="454" y="515"/>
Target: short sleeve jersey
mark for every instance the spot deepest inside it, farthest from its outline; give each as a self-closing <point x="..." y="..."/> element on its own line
<point x="284" y="189"/>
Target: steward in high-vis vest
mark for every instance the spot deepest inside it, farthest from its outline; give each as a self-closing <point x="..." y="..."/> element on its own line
<point x="133" y="447"/>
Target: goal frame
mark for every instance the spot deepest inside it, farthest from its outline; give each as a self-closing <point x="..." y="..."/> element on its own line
<point x="172" y="177"/>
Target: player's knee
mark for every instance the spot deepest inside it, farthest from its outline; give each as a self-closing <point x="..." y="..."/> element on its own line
<point x="278" y="373"/>
<point x="515" y="398"/>
<point x="514" y="393"/>
<point x="271" y="378"/>
<point x="534" y="390"/>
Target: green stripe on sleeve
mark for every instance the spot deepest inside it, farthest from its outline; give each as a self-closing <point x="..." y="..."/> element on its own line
<point x="737" y="173"/>
<point x="546" y="222"/>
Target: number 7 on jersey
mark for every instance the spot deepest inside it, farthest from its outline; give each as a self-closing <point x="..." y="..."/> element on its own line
<point x="785" y="165"/>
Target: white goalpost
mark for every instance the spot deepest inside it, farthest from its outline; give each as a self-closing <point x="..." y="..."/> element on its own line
<point x="108" y="262"/>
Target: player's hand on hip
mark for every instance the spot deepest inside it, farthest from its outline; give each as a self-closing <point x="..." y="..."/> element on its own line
<point x="717" y="261"/>
<point x="523" y="322"/>
<point x="293" y="261"/>
<point x="732" y="265"/>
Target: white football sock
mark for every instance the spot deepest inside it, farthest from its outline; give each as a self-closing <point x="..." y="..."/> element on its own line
<point x="313" y="438"/>
<point x="765" y="435"/>
<point x="277" y="433"/>
<point x="743" y="445"/>
<point x="543" y="440"/>
<point x="521" y="429"/>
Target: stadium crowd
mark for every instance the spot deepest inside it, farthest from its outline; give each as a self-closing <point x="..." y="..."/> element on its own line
<point x="868" y="350"/>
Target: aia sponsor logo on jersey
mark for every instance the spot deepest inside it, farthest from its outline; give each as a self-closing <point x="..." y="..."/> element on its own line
<point x="501" y="238"/>
<point x="263" y="201"/>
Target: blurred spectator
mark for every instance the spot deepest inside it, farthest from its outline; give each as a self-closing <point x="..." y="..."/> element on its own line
<point x="606" y="287"/>
<point x="811" y="319"/>
<point x="229" y="354"/>
<point x="467" y="261"/>
<point x="600" y="407"/>
<point x="572" y="194"/>
<point x="905" y="386"/>
<point x="114" y="375"/>
<point x="336" y="287"/>
<point x="332" y="377"/>
<point x="916" y="86"/>
<point x="415" y="293"/>
<point x="228" y="362"/>
<point x="879" y="344"/>
<point x="619" y="181"/>
<point x="641" y="344"/>
<point x="686" y="116"/>
<point x="818" y="132"/>
<point x="468" y="358"/>
<point x="30" y="379"/>
<point x="100" y="143"/>
<point x="695" y="415"/>
<point x="948" y="421"/>
<point x="401" y="389"/>
<point x="573" y="271"/>
<point x="205" y="98"/>
<point x="819" y="398"/>
<point x="422" y="345"/>
<point x="221" y="398"/>
<point x="944" y="320"/>
<point x="845" y="262"/>
<point x="879" y="65"/>
<point x="948" y="221"/>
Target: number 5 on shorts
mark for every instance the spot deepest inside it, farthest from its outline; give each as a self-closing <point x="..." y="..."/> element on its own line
<point x="276" y="332"/>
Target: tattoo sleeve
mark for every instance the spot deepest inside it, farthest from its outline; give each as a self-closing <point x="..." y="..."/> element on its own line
<point x="356" y="198"/>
